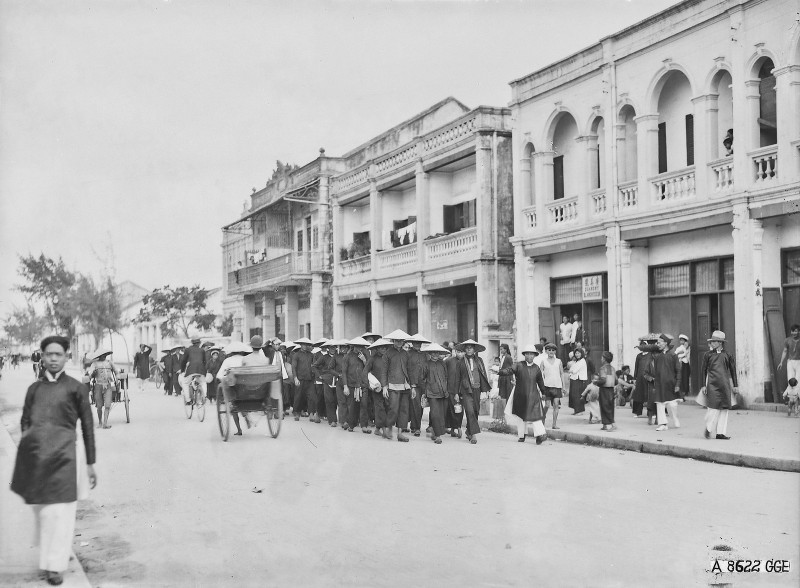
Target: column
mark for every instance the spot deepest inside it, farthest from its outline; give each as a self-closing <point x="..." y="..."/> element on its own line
<point x="268" y="318"/>
<point x="749" y="303"/>
<point x="588" y="151"/>
<point x="324" y="222"/>
<point x="647" y="157"/>
<point x="338" y="316"/>
<point x="485" y="195"/>
<point x="705" y="115"/>
<point x="376" y="220"/>
<point x="290" y="308"/>
<point x="543" y="185"/>
<point x="743" y="168"/>
<point x="787" y="88"/>
<point x="316" y="313"/>
<point x="423" y="211"/>
<point x="376" y="300"/>
<point x="615" y="302"/>
<point x="424" y="309"/>
<point x="622" y="158"/>
<point x="338" y="238"/>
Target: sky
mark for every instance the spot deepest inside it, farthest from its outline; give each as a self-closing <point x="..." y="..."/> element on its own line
<point x="132" y="131"/>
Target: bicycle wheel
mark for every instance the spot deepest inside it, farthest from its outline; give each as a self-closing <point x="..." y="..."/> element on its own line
<point x="187" y="408"/>
<point x="200" y="402"/>
<point x="223" y="415"/>
<point x="274" y="412"/>
<point x="159" y="379"/>
<point x="126" y="399"/>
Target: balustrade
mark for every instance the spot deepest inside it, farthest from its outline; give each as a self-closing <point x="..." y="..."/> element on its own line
<point x="722" y="174"/>
<point x="354" y="267"/>
<point x="449" y="135"/>
<point x="398" y="258"/>
<point x="529" y="214"/>
<point x="563" y="211"/>
<point x="672" y="186"/>
<point x="449" y="248"/>
<point x="598" y="198"/>
<point x="765" y="161"/>
<point x="628" y="195"/>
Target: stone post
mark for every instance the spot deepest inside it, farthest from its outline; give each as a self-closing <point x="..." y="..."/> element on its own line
<point x="647" y="157"/>
<point x="423" y="212"/>
<point x="290" y="307"/>
<point x="376" y="300"/>
<point x="787" y="88"/>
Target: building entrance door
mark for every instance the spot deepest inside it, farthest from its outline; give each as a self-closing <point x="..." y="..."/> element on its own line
<point x="594" y="331"/>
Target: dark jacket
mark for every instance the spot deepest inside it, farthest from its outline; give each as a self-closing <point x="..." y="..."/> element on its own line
<point x="339" y="357"/>
<point x="324" y="368"/>
<point x="302" y="363"/>
<point x="141" y="363"/>
<point x="528" y="392"/>
<point x="398" y="366"/>
<point x="434" y="379"/>
<point x="453" y="383"/>
<point x="504" y="382"/>
<point x="465" y="383"/>
<point x="354" y="372"/>
<point x="378" y="366"/>
<point x="194" y="360"/>
<point x="665" y="369"/>
<point x="416" y="365"/>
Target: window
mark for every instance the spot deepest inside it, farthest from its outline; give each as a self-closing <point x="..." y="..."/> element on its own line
<point x="299" y="241"/>
<point x="670" y="280"/>
<point x="558" y="177"/>
<point x="315" y="239"/>
<point x="727" y="274"/>
<point x="705" y="276"/>
<point x="405" y="231"/>
<point x="567" y="290"/>
<point x="689" y="139"/>
<point x="459" y="216"/>
<point x="258" y="308"/>
<point x="767" y="117"/>
<point x="662" y="147"/>
<point x="791" y="267"/>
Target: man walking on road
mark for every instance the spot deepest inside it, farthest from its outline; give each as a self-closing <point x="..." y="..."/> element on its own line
<point x="666" y="370"/>
<point x="791" y="354"/>
<point x="398" y="387"/>
<point x="719" y="383"/>
<point x="141" y="365"/>
<point x="473" y="380"/>
<point x="302" y="361"/>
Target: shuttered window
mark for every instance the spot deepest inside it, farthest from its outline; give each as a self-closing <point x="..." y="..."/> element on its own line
<point x="706" y="276"/>
<point x="662" y="147"/>
<point x="727" y="274"/>
<point x="670" y="280"/>
<point x="689" y="139"/>
<point x="567" y="290"/>
<point x="558" y="177"/>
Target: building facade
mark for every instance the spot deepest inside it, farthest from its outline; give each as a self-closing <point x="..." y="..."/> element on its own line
<point x="277" y="256"/>
<point x="422" y="220"/>
<point x="657" y="181"/>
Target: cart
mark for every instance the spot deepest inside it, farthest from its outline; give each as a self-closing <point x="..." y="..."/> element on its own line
<point x="118" y="395"/>
<point x="252" y="389"/>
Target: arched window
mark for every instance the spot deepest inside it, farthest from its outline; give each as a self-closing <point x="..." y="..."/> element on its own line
<point x="626" y="153"/>
<point x="527" y="176"/>
<point x="675" y="124"/>
<point x="767" y="119"/>
<point x="598" y="162"/>
<point x="566" y="172"/>
<point x="722" y="140"/>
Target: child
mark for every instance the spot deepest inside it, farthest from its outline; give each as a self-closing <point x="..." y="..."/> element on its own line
<point x="591" y="396"/>
<point x="624" y="386"/>
<point x="791" y="394"/>
<point x="494" y="378"/>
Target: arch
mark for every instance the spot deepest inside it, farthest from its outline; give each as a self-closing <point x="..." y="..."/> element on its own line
<point x="567" y="161"/>
<point x="552" y="122"/>
<point x="755" y="60"/>
<point x="590" y="128"/>
<point x="527" y="174"/>
<point x="626" y="102"/>
<point x="660" y="79"/>
<point x="720" y="120"/>
<point x="712" y="79"/>
<point x="672" y="101"/>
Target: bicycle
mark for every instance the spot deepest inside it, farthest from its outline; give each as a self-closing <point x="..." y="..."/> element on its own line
<point x="156" y="374"/>
<point x="196" y="398"/>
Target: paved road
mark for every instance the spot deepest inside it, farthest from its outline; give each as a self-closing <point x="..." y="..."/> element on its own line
<point x="175" y="507"/>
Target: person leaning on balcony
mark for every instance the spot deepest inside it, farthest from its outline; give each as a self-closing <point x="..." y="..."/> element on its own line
<point x="665" y="370"/>
<point x="302" y="361"/>
<point x="398" y="388"/>
<point x="719" y="378"/>
<point x="473" y="381"/>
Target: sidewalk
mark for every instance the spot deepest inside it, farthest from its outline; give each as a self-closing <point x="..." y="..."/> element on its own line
<point x="19" y="556"/>
<point x="759" y="439"/>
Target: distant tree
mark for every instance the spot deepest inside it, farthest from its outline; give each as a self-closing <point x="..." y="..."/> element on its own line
<point x="49" y="281"/>
<point x="180" y="308"/>
<point x="226" y="328"/>
<point x="25" y="326"/>
<point x="97" y="308"/>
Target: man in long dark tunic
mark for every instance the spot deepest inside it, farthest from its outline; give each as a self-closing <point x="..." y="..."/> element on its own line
<point x="473" y="380"/>
<point x="46" y="469"/>
<point x="166" y="374"/>
<point x="304" y="391"/>
<point x="665" y="369"/>
<point x="416" y="366"/>
<point x="719" y="383"/>
<point x="356" y="384"/>
<point x="398" y="386"/>
<point x="378" y="366"/>
<point x="526" y="403"/>
<point x="141" y="365"/>
<point x="434" y="377"/>
<point x="454" y="417"/>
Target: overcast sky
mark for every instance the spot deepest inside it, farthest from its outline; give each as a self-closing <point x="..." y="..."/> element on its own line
<point x="143" y="126"/>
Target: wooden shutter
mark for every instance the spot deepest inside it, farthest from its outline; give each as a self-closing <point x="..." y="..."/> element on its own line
<point x="689" y="139"/>
<point x="662" y="147"/>
<point x="448" y="216"/>
<point x="558" y="177"/>
<point x="776" y="335"/>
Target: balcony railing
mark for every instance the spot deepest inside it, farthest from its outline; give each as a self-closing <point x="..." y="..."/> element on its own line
<point x="598" y="200"/>
<point x="628" y="195"/>
<point x="563" y="212"/>
<point x="765" y="161"/>
<point x="722" y="174"/>
<point x="274" y="270"/>
<point x="354" y="267"/>
<point x="452" y="248"/>
<point x="450" y="134"/>
<point x="397" y="259"/>
<point x="529" y="214"/>
<point x="675" y="185"/>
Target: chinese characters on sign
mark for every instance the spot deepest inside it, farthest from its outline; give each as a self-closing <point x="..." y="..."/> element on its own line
<point x="593" y="287"/>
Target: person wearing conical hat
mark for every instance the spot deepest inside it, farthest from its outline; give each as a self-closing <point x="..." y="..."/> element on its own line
<point x="378" y="367"/>
<point x="416" y="365"/>
<point x="339" y="349"/>
<point x="355" y="384"/>
<point x="104" y="375"/>
<point x="324" y="367"/>
<point x="719" y="385"/>
<point x="473" y="381"/>
<point x="454" y="417"/>
<point x="398" y="388"/>
<point x="304" y="391"/>
<point x="433" y="376"/>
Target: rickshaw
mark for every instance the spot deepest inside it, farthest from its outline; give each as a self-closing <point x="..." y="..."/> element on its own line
<point x="252" y="389"/>
<point x="118" y="394"/>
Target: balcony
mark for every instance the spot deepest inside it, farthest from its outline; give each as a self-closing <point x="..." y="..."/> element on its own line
<point x="563" y="212"/>
<point x="355" y="267"/>
<point x="289" y="269"/>
<point x="597" y="199"/>
<point x="398" y="260"/>
<point x="529" y="216"/>
<point x="673" y="186"/>
<point x="628" y="193"/>
<point x="451" y="249"/>
<point x="765" y="162"/>
<point x="722" y="175"/>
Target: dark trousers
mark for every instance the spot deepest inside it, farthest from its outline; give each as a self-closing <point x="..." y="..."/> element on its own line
<point x="471" y="402"/>
<point x="320" y="406"/>
<point x="415" y="416"/>
<point x="357" y="413"/>
<point x="370" y="402"/>
<point x="168" y="384"/>
<point x="438" y="407"/>
<point x="288" y="395"/>
<point x="686" y="372"/>
<point x="607" y="405"/>
<point x="305" y="392"/>
<point x="176" y="384"/>
<point x="453" y="419"/>
<point x="330" y="402"/>
<point x="379" y="403"/>
<point x="637" y="407"/>
<point x="341" y="402"/>
<point x="397" y="414"/>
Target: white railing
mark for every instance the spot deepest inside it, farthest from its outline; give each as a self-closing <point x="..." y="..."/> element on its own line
<point x="450" y="134"/>
<point x="354" y="267"/>
<point x="400" y="257"/>
<point x="397" y="159"/>
<point x="598" y="198"/>
<point x="463" y="243"/>
<point x="765" y="161"/>
<point x="628" y="195"/>
<point x="675" y="185"/>
<point x="344" y="183"/>
<point x="529" y="214"/>
<point x="563" y="211"/>
<point x="722" y="174"/>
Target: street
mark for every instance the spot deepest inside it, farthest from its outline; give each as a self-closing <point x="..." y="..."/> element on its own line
<point x="176" y="506"/>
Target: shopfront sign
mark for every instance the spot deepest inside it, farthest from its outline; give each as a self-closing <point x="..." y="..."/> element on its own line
<point x="593" y="287"/>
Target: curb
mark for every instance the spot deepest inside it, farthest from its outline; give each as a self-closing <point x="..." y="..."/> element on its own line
<point x="755" y="406"/>
<point x="720" y="457"/>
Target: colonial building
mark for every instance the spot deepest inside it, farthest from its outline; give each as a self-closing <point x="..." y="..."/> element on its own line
<point x="422" y="218"/>
<point x="657" y="181"/>
<point x="277" y="256"/>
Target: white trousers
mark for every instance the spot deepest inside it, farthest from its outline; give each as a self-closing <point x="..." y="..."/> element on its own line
<point x="55" y="528"/>
<point x="186" y="386"/>
<point x="792" y="369"/>
<point x="594" y="408"/>
<point x="522" y="426"/>
<point x="717" y="420"/>
<point x="661" y="412"/>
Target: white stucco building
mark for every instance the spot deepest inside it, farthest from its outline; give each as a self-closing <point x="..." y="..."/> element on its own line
<point x="630" y="210"/>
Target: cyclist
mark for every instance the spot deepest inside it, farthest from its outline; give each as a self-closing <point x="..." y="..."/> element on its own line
<point x="194" y="362"/>
<point x="235" y="353"/>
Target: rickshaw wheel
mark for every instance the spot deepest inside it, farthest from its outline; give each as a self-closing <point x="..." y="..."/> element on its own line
<point x="274" y="412"/>
<point x="126" y="399"/>
<point x="223" y="416"/>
